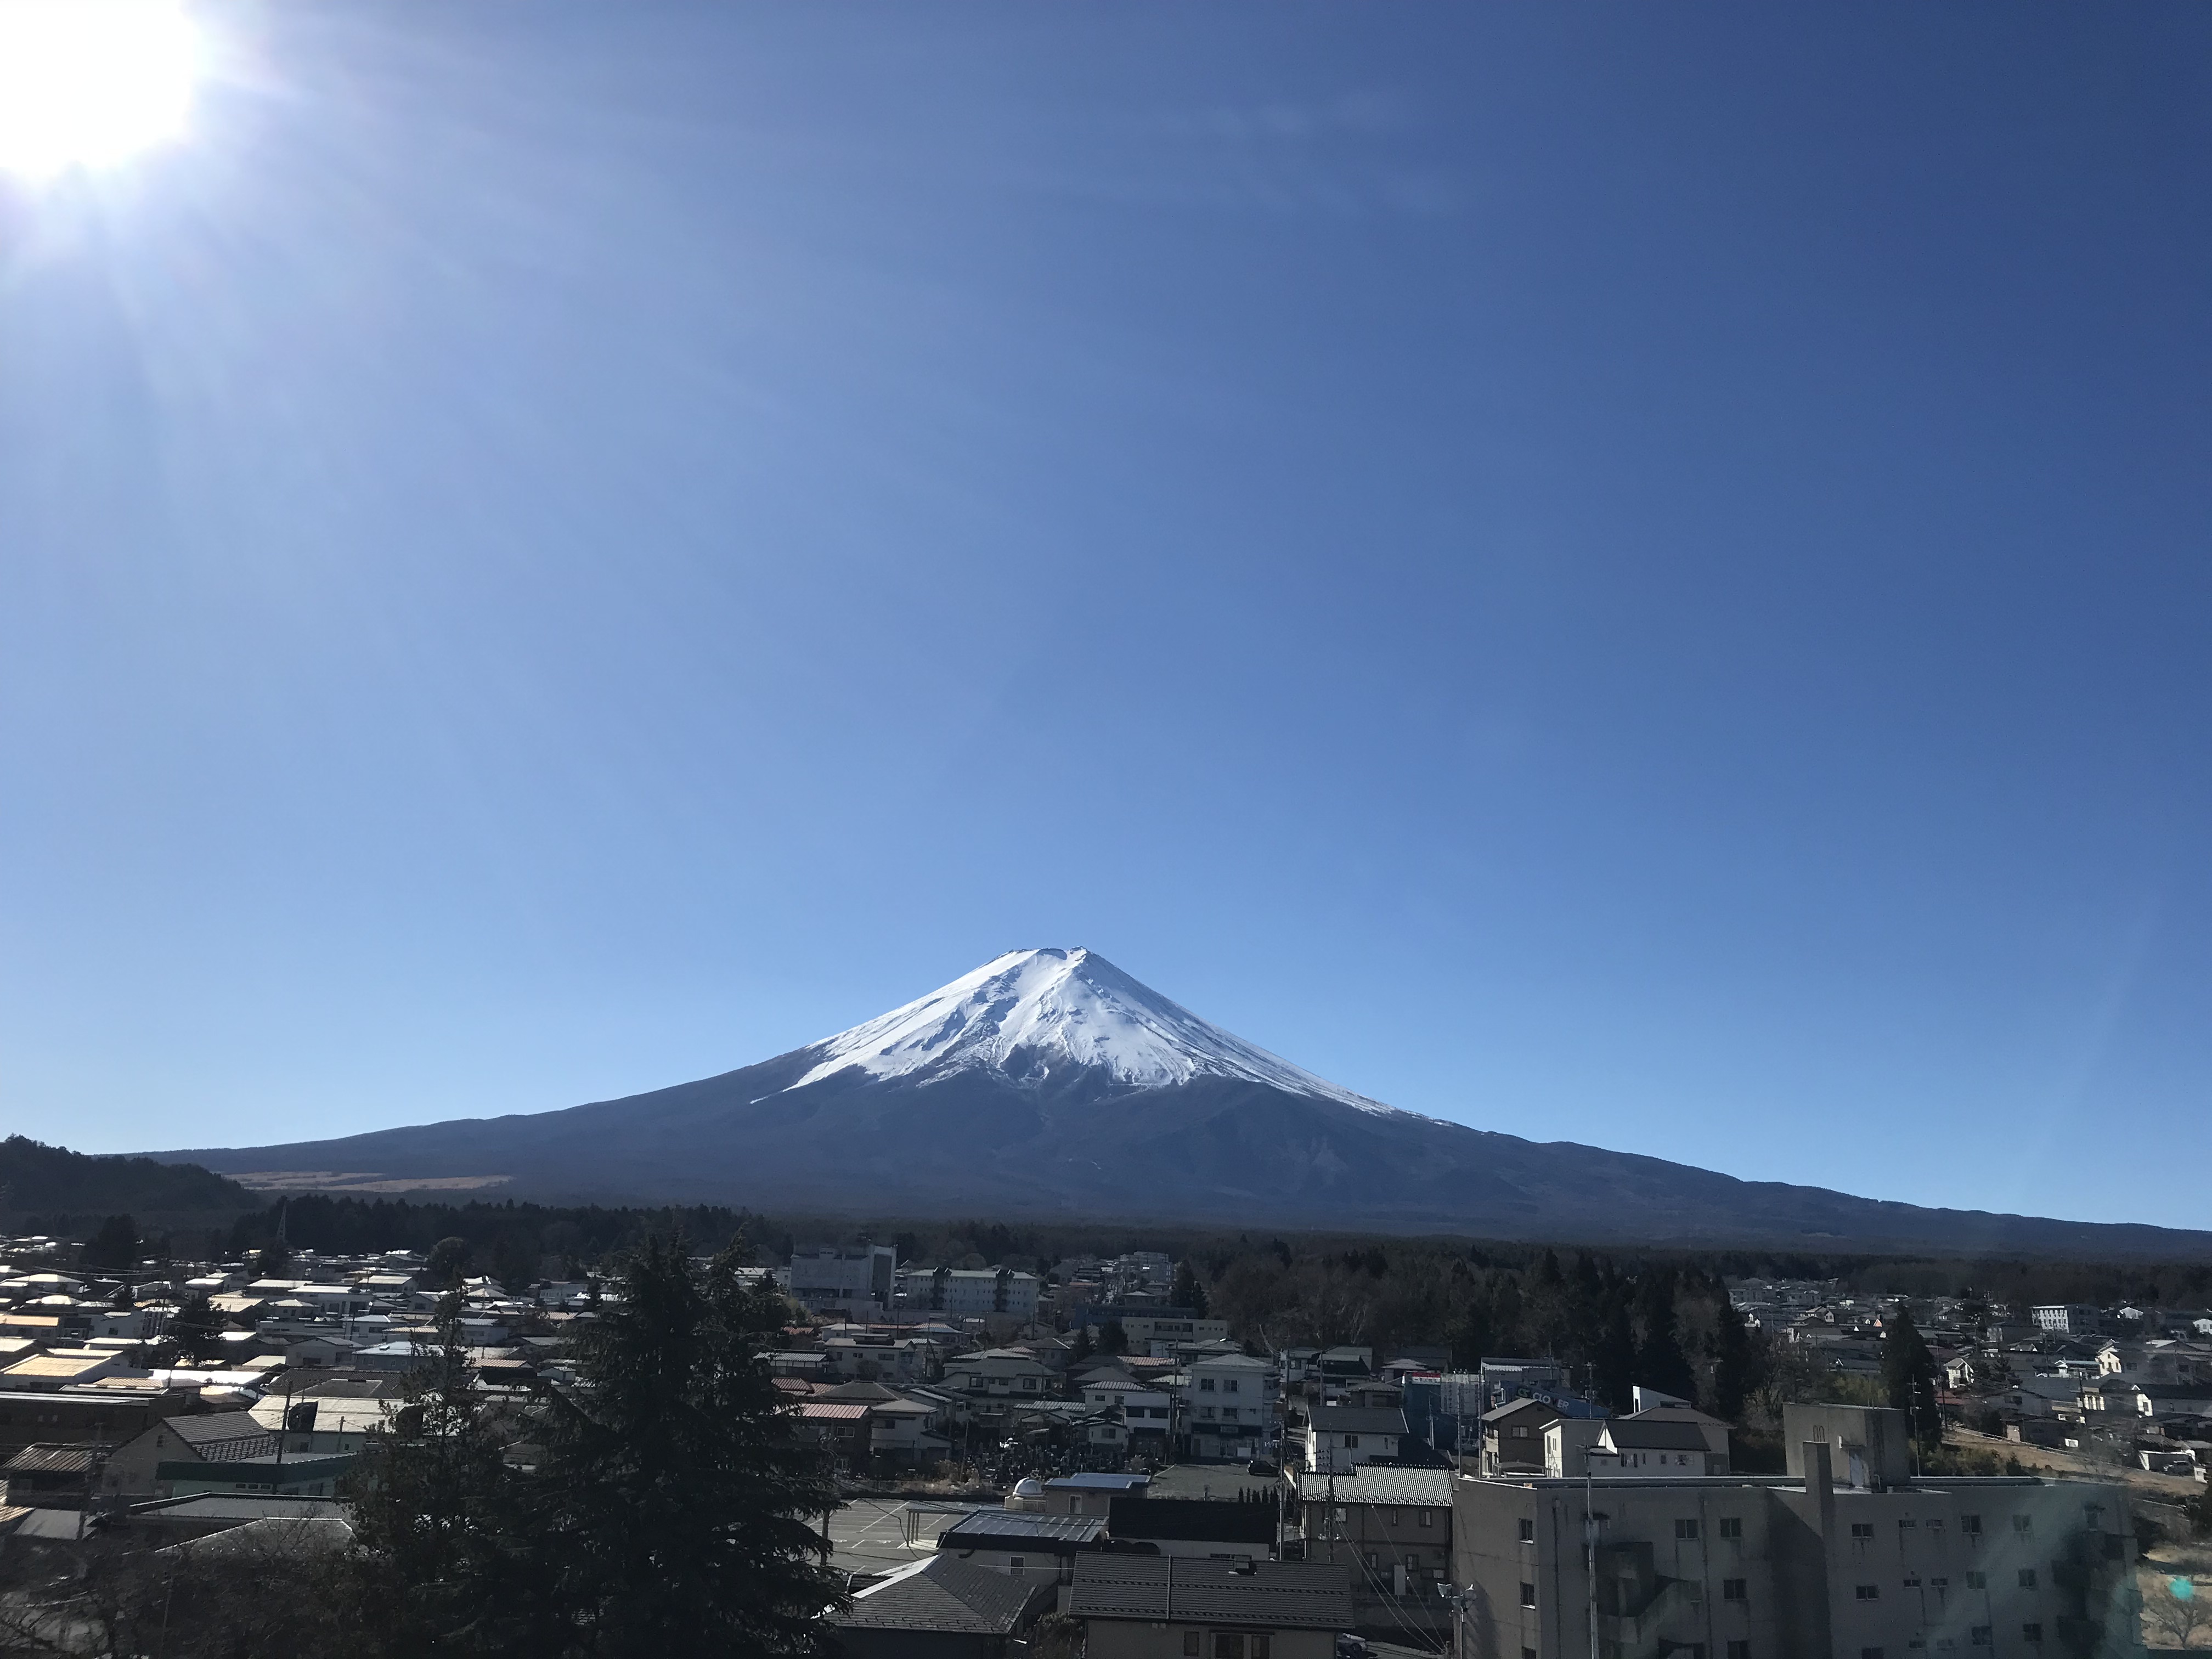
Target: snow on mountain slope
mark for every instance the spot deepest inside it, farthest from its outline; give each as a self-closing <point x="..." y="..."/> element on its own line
<point x="1030" y="1015"/>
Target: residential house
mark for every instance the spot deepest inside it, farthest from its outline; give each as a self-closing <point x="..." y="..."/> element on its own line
<point x="1639" y="1448"/>
<point x="941" y="1607"/>
<point x="1342" y="1437"/>
<point x="133" y="1470"/>
<point x="998" y="1374"/>
<point x="1137" y="1606"/>
<point x="1391" y="1529"/>
<point x="1513" y="1436"/>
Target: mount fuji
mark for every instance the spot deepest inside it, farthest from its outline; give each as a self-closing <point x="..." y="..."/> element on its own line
<point x="1049" y="1083"/>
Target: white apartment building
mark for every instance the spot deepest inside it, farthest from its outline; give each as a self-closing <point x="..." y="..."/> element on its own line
<point x="1228" y="1404"/>
<point x="970" y="1293"/>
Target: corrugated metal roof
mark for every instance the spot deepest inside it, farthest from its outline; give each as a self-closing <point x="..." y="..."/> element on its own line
<point x="1414" y="1488"/>
<point x="52" y="1460"/>
<point x="984" y="1525"/>
<point x="830" y="1411"/>
<point x="1275" y="1594"/>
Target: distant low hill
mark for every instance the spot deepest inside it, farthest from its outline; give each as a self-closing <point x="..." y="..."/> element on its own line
<point x="1049" y="1085"/>
<point x="34" y="1176"/>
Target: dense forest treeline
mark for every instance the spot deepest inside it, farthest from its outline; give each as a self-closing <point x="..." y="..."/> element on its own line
<point x="36" y="1179"/>
<point x="1291" y="1287"/>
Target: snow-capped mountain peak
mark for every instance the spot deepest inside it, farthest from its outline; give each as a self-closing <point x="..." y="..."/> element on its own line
<point x="1033" y="1014"/>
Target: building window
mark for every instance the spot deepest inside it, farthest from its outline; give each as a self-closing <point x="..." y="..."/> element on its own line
<point x="1869" y="1592"/>
<point x="1870" y="1653"/>
<point x="1685" y="1529"/>
<point x="1971" y="1525"/>
<point x="1190" y="1644"/>
<point x="1731" y="1525"/>
<point x="1225" y="1645"/>
<point x="1428" y="1517"/>
<point x="1861" y="1528"/>
<point x="1256" y="1647"/>
<point x="2023" y="1524"/>
<point x="1904" y="1527"/>
<point x="1350" y="1442"/>
<point x="1733" y="1589"/>
<point x="1739" y="1650"/>
<point x="1528" y="1530"/>
<point x="1528" y="1594"/>
<point x="1205" y="1385"/>
<point x="1977" y="1580"/>
<point x="1229" y="1385"/>
<point x="1980" y="1636"/>
<point x="2027" y="1577"/>
<point x="2031" y="1633"/>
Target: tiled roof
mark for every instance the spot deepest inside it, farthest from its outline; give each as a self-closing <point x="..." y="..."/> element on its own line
<point x="1416" y="1488"/>
<point x="828" y="1411"/>
<point x="222" y="1437"/>
<point x="946" y="1593"/>
<point x="1277" y="1595"/>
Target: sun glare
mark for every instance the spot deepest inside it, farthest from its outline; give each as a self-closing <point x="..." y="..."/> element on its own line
<point x="87" y="84"/>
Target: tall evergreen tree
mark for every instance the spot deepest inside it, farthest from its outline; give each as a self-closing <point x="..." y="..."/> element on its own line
<point x="1735" y="1361"/>
<point x="443" y="1561"/>
<point x="678" y="1506"/>
<point x="1613" y="1363"/>
<point x="116" y="1245"/>
<point x="1187" y="1291"/>
<point x="1908" y="1377"/>
<point x="194" y="1326"/>
<point x="1660" y="1362"/>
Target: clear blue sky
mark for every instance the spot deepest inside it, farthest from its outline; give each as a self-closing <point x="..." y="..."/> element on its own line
<point x="1627" y="574"/>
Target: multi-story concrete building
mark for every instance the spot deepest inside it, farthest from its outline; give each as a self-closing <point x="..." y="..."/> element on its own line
<point x="1228" y="1407"/>
<point x="1799" y="1566"/>
<point x="852" y="1279"/>
<point x="970" y="1293"/>
<point x="2068" y="1319"/>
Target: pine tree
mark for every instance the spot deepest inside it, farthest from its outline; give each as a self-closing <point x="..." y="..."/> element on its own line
<point x="117" y="1244"/>
<point x="1188" y="1292"/>
<point x="1614" y="1362"/>
<point x="1908" y="1377"/>
<point x="1736" y="1363"/>
<point x="1660" y="1362"/>
<point x="443" y="1559"/>
<point x="194" y="1326"/>
<point x="678" y="1505"/>
<point x="1080" y="1349"/>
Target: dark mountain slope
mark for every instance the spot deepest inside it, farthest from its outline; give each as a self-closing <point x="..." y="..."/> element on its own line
<point x="1047" y="1083"/>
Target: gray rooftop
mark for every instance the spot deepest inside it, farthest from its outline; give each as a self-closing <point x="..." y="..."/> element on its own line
<point x="1415" y="1488"/>
<point x="943" y="1593"/>
<point x="987" y="1528"/>
<point x="1276" y="1594"/>
<point x="1359" y="1420"/>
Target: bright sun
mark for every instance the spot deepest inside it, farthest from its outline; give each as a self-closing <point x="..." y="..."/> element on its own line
<point x="87" y="83"/>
